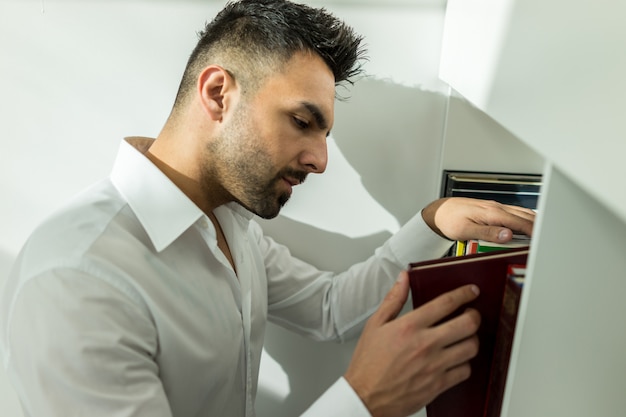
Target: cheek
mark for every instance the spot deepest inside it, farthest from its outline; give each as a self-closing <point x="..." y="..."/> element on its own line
<point x="274" y="136"/>
<point x="281" y="149"/>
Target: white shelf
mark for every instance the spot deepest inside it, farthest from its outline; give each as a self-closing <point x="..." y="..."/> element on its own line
<point x="568" y="357"/>
<point x="472" y="139"/>
<point x="552" y="74"/>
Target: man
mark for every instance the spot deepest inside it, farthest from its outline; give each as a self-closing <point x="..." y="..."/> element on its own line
<point x="149" y="293"/>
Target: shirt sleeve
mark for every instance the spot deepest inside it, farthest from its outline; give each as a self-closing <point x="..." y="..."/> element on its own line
<point x="328" y="306"/>
<point x="339" y="400"/>
<point x="91" y="353"/>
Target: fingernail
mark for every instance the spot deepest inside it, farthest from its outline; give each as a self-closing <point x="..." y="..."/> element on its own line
<point x="475" y="289"/>
<point x="503" y="235"/>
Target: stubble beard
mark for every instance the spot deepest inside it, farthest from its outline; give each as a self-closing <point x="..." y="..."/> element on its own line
<point x="243" y="168"/>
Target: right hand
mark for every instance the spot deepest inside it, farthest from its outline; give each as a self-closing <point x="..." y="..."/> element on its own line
<point x="459" y="218"/>
<point x="401" y="364"/>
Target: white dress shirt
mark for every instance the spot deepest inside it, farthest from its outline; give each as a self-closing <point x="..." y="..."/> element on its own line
<point x="121" y="304"/>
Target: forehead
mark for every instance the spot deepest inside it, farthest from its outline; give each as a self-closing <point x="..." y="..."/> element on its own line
<point x="305" y="78"/>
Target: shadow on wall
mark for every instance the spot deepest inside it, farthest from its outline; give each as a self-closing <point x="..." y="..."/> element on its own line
<point x="6" y="261"/>
<point x="391" y="136"/>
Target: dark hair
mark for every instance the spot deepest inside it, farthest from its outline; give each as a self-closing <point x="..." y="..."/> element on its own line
<point x="251" y="37"/>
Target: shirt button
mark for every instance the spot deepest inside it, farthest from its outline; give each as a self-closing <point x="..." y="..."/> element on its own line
<point x="204" y="224"/>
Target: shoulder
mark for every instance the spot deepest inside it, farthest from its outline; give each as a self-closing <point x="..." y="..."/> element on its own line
<point x="64" y="239"/>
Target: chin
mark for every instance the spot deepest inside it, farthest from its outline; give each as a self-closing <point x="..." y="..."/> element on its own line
<point x="265" y="212"/>
<point x="274" y="210"/>
<point x="268" y="216"/>
<point x="268" y="208"/>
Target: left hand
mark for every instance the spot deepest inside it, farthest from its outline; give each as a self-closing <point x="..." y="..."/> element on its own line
<point x="402" y="363"/>
<point x="458" y="218"/>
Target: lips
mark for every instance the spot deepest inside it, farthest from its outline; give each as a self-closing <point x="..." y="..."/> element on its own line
<point x="290" y="184"/>
<point x="292" y="177"/>
<point x="291" y="181"/>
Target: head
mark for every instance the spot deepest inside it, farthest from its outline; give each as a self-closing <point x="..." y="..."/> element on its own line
<point x="254" y="38"/>
<point x="286" y="61"/>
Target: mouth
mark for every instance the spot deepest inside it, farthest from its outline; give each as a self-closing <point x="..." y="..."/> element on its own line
<point x="290" y="182"/>
<point x="291" y="178"/>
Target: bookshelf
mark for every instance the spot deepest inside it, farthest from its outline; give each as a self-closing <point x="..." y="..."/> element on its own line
<point x="552" y="74"/>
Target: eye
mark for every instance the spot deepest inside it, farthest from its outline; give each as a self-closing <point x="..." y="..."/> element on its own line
<point x="302" y="124"/>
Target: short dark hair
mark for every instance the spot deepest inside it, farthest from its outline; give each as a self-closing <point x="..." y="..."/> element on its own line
<point x="251" y="37"/>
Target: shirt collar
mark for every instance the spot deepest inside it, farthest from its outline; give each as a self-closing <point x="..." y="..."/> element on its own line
<point x="162" y="208"/>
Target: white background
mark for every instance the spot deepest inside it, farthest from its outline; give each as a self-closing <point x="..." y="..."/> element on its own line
<point x="78" y="76"/>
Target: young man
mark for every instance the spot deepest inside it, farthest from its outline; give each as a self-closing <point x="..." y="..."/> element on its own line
<point x="149" y="293"/>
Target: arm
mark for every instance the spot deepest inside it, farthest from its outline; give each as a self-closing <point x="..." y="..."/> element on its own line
<point x="78" y="346"/>
<point x="302" y="298"/>
<point x="402" y="364"/>
<point x="329" y="306"/>
<point x="401" y="377"/>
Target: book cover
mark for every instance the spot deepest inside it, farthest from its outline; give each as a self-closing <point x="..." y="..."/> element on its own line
<point x="488" y="271"/>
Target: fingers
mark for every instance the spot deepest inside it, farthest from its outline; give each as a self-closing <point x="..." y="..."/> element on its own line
<point x="519" y="219"/>
<point x="497" y="222"/>
<point x="460" y="218"/>
<point x="453" y="377"/>
<point x="458" y="328"/>
<point x="524" y="212"/>
<point x="393" y="302"/>
<point x="455" y="360"/>
<point x="493" y="233"/>
<point x="399" y="365"/>
<point x="437" y="309"/>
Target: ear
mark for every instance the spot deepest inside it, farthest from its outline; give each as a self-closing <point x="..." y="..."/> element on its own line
<point x="215" y="85"/>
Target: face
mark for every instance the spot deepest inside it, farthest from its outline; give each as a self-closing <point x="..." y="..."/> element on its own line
<point x="272" y="140"/>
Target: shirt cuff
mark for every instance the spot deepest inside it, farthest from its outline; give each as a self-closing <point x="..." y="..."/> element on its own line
<point x="416" y="241"/>
<point x="339" y="400"/>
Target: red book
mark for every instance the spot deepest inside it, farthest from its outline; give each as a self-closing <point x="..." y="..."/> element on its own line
<point x="489" y="271"/>
<point x="504" y="343"/>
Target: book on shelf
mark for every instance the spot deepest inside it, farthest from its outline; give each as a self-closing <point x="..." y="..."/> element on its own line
<point x="481" y="246"/>
<point x="516" y="189"/>
<point x="499" y="275"/>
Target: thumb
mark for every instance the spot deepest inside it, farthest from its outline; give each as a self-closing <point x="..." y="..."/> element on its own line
<point x="497" y="234"/>
<point x="393" y="302"/>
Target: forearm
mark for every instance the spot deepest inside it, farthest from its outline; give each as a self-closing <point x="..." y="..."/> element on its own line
<point x="326" y="306"/>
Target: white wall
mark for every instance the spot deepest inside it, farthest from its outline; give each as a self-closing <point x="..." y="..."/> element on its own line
<point x="79" y="75"/>
<point x="473" y="141"/>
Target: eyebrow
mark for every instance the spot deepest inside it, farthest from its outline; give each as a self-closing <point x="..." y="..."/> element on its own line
<point x="317" y="114"/>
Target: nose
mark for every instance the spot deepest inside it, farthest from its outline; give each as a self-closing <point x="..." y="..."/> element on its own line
<point x="315" y="157"/>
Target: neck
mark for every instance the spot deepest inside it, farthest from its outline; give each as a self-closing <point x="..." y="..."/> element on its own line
<point x="180" y="158"/>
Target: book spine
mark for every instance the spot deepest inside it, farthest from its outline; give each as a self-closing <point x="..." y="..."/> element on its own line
<point x="503" y="346"/>
<point x="460" y="248"/>
<point x="471" y="247"/>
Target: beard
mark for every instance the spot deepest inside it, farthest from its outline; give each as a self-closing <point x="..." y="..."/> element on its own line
<point x="262" y="196"/>
<point x="242" y="168"/>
